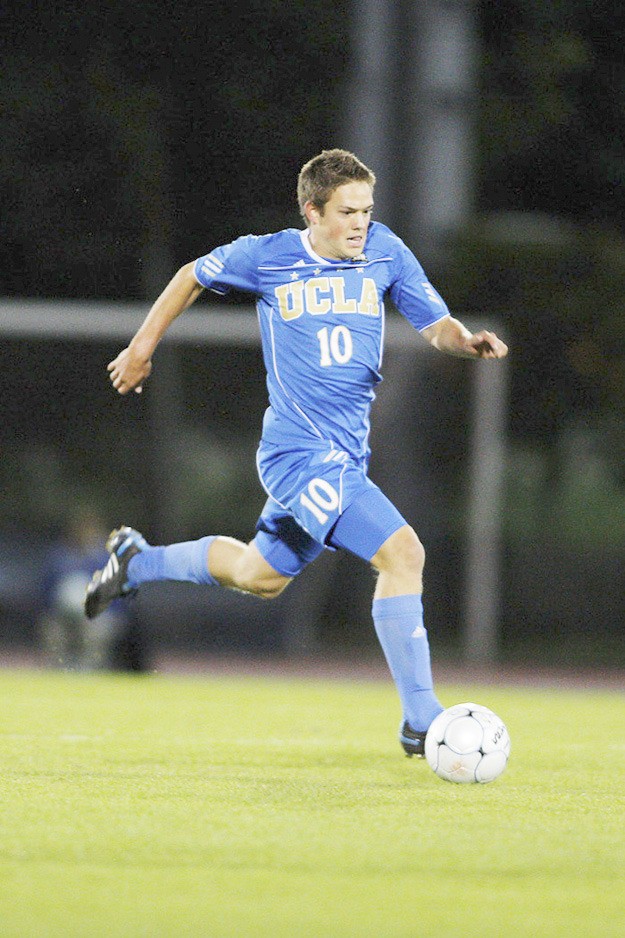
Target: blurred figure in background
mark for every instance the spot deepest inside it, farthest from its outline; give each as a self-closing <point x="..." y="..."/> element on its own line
<point x="69" y="640"/>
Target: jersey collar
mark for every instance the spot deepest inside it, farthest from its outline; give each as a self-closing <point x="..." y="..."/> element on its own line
<point x="305" y="237"/>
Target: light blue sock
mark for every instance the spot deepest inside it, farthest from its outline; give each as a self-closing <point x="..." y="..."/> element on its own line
<point x="184" y="561"/>
<point x="399" y="625"/>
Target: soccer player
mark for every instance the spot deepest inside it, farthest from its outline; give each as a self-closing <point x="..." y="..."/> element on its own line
<point x="320" y="299"/>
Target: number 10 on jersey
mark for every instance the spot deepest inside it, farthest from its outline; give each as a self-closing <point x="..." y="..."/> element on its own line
<point x="335" y="345"/>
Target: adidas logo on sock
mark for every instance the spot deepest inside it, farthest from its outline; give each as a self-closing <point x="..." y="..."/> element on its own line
<point x="419" y="632"/>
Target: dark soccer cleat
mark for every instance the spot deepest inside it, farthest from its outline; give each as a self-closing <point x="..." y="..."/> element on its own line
<point x="412" y="741"/>
<point x="109" y="583"/>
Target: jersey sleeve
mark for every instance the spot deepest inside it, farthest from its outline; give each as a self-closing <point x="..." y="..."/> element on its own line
<point x="413" y="294"/>
<point x="233" y="265"/>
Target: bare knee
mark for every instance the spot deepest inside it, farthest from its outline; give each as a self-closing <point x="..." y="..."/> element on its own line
<point x="241" y="567"/>
<point x="258" y="578"/>
<point x="402" y="553"/>
<point x="266" y="588"/>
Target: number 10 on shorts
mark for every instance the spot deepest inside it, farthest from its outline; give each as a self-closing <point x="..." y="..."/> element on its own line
<point x="320" y="497"/>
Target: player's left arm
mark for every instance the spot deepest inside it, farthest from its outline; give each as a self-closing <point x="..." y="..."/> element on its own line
<point x="451" y="336"/>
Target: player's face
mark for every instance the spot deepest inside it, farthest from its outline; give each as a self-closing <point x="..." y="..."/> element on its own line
<point x="339" y="231"/>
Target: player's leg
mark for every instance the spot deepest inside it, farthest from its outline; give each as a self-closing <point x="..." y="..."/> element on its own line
<point x="372" y="528"/>
<point x="398" y="618"/>
<point x="399" y="563"/>
<point x="213" y="560"/>
<point x="316" y="493"/>
<point x="280" y="550"/>
<point x="240" y="566"/>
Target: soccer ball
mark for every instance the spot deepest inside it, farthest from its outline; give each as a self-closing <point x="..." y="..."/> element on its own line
<point x="467" y="743"/>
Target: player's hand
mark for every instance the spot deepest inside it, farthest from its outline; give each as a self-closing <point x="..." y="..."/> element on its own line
<point x="485" y="344"/>
<point x="128" y="371"/>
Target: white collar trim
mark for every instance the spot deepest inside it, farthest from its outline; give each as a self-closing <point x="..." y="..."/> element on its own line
<point x="305" y="236"/>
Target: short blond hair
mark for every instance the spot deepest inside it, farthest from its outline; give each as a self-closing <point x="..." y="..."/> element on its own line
<point x="324" y="173"/>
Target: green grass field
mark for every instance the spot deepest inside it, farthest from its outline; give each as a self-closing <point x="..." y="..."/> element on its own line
<point x="221" y="806"/>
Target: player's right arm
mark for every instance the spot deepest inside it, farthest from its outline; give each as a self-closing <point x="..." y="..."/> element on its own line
<point x="133" y="365"/>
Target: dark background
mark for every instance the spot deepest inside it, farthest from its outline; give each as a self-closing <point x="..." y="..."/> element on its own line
<point x="137" y="137"/>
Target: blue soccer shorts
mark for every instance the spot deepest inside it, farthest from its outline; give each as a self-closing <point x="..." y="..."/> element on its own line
<point x="319" y="498"/>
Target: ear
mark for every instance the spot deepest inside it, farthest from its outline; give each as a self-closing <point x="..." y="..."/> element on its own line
<point x="312" y="213"/>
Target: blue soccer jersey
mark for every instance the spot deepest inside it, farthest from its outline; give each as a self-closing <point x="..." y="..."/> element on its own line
<point x="322" y="327"/>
